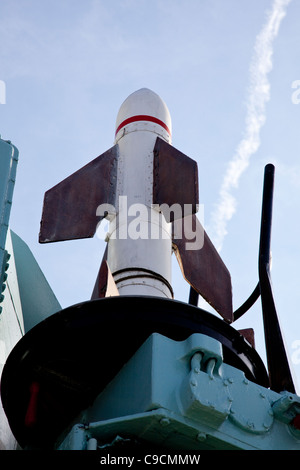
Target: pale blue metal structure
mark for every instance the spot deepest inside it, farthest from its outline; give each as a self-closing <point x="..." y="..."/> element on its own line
<point x="181" y="395"/>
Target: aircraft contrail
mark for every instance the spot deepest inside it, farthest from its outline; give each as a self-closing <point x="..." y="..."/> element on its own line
<point x="259" y="94"/>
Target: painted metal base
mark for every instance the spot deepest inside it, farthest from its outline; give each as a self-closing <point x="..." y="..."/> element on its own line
<point x="181" y="395"/>
<point x="62" y="364"/>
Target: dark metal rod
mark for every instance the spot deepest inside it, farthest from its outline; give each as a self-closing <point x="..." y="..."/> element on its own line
<point x="266" y="217"/>
<point x="194" y="296"/>
<point x="279" y="371"/>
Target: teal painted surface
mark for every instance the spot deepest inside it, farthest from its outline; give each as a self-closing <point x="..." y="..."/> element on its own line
<point x="181" y="394"/>
<point x="25" y="296"/>
<point x="9" y="155"/>
<point x="11" y="324"/>
<point x="37" y="298"/>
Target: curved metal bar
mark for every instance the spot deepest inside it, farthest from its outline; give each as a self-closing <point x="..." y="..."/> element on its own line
<point x="247" y="304"/>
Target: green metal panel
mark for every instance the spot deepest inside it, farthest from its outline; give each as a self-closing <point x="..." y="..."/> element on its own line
<point x="9" y="155"/>
<point x="11" y="323"/>
<point x="37" y="298"/>
<point x="25" y="296"/>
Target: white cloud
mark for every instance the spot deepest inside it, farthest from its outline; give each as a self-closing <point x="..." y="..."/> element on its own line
<point x="258" y="96"/>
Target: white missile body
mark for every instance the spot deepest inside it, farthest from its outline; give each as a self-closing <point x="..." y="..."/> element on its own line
<point x="135" y="185"/>
<point x="140" y="239"/>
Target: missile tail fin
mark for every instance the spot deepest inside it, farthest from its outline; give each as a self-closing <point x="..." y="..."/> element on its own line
<point x="69" y="210"/>
<point x="202" y="266"/>
<point x="175" y="181"/>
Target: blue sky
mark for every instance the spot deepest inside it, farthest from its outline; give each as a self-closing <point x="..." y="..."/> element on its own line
<point x="69" y="64"/>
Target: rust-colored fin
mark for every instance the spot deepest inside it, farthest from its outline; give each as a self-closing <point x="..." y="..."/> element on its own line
<point x="175" y="180"/>
<point x="248" y="334"/>
<point x="202" y="266"/>
<point x="105" y="285"/>
<point x="69" y="210"/>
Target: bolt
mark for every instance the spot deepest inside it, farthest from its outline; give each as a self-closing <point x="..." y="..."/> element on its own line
<point x="164" y="422"/>
<point x="92" y="444"/>
<point x="201" y="436"/>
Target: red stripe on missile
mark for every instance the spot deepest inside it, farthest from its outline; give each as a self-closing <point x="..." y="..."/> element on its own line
<point x="143" y="117"/>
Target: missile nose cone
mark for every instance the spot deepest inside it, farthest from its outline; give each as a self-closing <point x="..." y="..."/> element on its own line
<point x="144" y="110"/>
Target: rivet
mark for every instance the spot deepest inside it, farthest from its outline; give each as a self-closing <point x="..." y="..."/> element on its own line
<point x="193" y="383"/>
<point x="201" y="436"/>
<point x="197" y="370"/>
<point x="92" y="444"/>
<point x="164" y="422"/>
<point x="230" y="380"/>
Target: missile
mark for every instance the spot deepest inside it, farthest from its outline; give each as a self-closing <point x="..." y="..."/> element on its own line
<point x="147" y="190"/>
